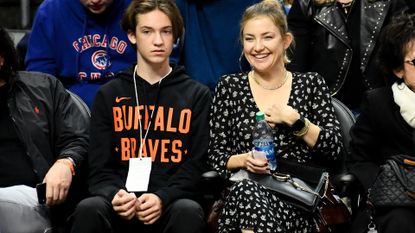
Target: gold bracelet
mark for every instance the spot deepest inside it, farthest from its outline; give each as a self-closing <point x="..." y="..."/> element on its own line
<point x="304" y="130"/>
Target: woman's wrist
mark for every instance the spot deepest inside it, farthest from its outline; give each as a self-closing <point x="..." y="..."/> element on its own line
<point x="238" y="161"/>
<point x="291" y="118"/>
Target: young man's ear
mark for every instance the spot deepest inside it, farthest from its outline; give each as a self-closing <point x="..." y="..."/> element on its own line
<point x="131" y="37"/>
<point x="1" y="61"/>
<point x="399" y="72"/>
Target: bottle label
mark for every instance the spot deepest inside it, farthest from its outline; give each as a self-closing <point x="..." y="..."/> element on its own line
<point x="269" y="151"/>
<point x="267" y="147"/>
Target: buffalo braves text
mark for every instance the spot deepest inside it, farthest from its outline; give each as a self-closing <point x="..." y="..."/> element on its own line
<point x="165" y="119"/>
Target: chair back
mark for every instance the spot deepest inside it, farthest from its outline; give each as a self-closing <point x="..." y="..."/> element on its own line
<point x="342" y="178"/>
<point x="346" y="119"/>
<point x="80" y="103"/>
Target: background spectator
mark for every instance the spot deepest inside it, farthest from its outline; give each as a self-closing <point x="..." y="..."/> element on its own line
<point x="43" y="139"/>
<point x="80" y="42"/>
<point x="338" y="39"/>
<point x="386" y="124"/>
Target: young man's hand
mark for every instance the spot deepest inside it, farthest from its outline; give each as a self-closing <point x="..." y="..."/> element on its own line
<point x="148" y="208"/>
<point x="124" y="204"/>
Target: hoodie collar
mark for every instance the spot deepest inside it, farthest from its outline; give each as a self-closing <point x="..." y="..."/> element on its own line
<point x="176" y="75"/>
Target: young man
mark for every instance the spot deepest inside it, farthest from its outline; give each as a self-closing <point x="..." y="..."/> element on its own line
<point x="151" y="112"/>
<point x="80" y="42"/>
<point x="43" y="139"/>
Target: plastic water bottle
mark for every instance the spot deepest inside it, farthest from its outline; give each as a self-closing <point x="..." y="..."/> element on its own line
<point x="263" y="140"/>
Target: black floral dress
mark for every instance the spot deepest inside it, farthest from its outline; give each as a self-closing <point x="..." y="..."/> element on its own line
<point x="248" y="204"/>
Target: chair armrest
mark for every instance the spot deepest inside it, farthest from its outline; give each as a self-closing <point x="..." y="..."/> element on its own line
<point x="346" y="184"/>
<point x="212" y="185"/>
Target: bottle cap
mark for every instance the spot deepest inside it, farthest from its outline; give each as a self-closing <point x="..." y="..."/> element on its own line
<point x="259" y="116"/>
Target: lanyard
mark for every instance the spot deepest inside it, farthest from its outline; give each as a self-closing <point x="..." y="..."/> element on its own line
<point x="138" y="111"/>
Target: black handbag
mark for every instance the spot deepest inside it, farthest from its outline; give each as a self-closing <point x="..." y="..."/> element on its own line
<point x="395" y="184"/>
<point x="292" y="190"/>
<point x="314" y="195"/>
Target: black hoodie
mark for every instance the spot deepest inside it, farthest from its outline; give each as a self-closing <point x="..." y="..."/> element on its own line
<point x="177" y="139"/>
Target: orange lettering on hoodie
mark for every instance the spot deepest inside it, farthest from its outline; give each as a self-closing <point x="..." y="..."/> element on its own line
<point x="163" y="151"/>
<point x="170" y="128"/>
<point x="184" y="122"/>
<point x="128" y="120"/>
<point x="174" y="147"/>
<point x="153" y="147"/>
<point x="117" y="115"/>
<point x="133" y="148"/>
<point x="159" y="120"/>
<point x="125" y="149"/>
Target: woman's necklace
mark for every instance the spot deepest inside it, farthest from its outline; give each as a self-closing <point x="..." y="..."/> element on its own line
<point x="270" y="88"/>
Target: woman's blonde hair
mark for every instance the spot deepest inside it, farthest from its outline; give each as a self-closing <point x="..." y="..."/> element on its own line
<point x="323" y="2"/>
<point x="268" y="8"/>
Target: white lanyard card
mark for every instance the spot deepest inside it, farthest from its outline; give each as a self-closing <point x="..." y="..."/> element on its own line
<point x="138" y="174"/>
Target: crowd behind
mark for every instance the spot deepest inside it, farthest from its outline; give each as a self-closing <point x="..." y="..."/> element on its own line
<point x="174" y="87"/>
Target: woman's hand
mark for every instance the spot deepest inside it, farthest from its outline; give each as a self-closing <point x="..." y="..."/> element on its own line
<point x="281" y="114"/>
<point x="257" y="163"/>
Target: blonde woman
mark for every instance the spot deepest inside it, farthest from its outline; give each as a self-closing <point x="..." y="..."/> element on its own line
<point x="297" y="105"/>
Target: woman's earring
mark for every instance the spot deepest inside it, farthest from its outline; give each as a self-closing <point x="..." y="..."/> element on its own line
<point x="240" y="61"/>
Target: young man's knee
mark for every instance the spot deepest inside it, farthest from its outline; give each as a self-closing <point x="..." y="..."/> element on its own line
<point x="92" y="206"/>
<point x="187" y="206"/>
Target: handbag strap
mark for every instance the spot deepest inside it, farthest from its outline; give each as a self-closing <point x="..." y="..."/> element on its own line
<point x="288" y="178"/>
<point x="401" y="177"/>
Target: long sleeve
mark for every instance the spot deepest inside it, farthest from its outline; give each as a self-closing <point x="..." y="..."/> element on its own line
<point x="41" y="52"/>
<point x="363" y="146"/>
<point x="329" y="142"/>
<point x="220" y="145"/>
<point x="365" y="157"/>
<point x="71" y="126"/>
<point x="184" y="182"/>
<point x="104" y="179"/>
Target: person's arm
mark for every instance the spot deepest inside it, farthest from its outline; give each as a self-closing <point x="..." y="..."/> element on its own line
<point x="221" y="143"/>
<point x="222" y="157"/>
<point x="185" y="181"/>
<point x="288" y="116"/>
<point x="364" y="146"/>
<point x="71" y="127"/>
<point x="103" y="177"/>
<point x="71" y="142"/>
<point x="40" y="54"/>
<point x="329" y="140"/>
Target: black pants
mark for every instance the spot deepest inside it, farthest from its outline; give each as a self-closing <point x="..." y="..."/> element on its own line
<point x="391" y="220"/>
<point x="96" y="215"/>
<point x="396" y="220"/>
